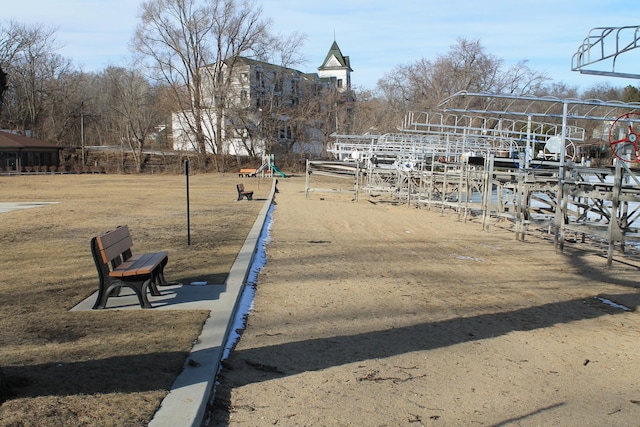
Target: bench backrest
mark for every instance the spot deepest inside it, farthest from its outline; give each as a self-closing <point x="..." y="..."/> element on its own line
<point x="240" y="187"/>
<point x="114" y="244"/>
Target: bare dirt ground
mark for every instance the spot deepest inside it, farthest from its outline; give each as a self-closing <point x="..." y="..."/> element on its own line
<point x="370" y="313"/>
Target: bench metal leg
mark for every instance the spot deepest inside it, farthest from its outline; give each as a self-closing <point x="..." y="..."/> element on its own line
<point x="142" y="294"/>
<point x="140" y="289"/>
<point x="158" y="279"/>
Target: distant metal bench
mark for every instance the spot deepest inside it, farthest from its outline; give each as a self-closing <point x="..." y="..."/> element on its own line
<point x="243" y="193"/>
<point x="118" y="267"/>
<point x="247" y="173"/>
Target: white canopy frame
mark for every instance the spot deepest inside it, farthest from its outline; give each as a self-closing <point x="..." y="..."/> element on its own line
<point x="606" y="45"/>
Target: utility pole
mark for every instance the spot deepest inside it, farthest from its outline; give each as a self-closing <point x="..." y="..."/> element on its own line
<point x="82" y="136"/>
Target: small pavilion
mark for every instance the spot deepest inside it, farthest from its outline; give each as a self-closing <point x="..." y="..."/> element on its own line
<point x="20" y="154"/>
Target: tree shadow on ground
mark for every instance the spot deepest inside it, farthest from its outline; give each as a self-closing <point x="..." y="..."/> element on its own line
<point x="293" y="358"/>
<point x="123" y="374"/>
<point x="316" y="354"/>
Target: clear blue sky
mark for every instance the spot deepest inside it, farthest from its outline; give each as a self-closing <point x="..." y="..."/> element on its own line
<point x="376" y="34"/>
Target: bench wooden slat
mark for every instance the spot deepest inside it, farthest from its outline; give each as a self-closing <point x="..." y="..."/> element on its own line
<point x="114" y="243"/>
<point x="139" y="265"/>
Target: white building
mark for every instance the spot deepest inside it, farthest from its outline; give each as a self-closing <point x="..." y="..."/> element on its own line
<point x="337" y="68"/>
<point x="260" y="101"/>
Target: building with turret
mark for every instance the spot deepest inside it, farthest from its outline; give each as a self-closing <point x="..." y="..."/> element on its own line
<point x="267" y="106"/>
<point x="336" y="68"/>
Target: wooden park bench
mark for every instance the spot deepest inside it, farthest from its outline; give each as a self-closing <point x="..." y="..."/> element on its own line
<point x="243" y="193"/>
<point x="118" y="267"/>
<point x="247" y="173"/>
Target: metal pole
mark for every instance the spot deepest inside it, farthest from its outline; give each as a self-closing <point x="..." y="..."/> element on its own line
<point x="528" y="149"/>
<point x="186" y="173"/>
<point x="560" y="201"/>
<point x="82" y="136"/>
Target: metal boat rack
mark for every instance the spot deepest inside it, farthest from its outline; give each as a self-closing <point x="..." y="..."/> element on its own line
<point x="504" y="157"/>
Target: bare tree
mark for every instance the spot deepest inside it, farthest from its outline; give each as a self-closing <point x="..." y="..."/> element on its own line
<point x="521" y="80"/>
<point x="193" y="45"/>
<point x="286" y="50"/>
<point x="559" y="90"/>
<point x="398" y="88"/>
<point x="135" y="104"/>
<point x="322" y="111"/>
<point x="173" y="34"/>
<point x="11" y="43"/>
<point x="69" y="108"/>
<point x="4" y="85"/>
<point x="34" y="71"/>
<point x="423" y="84"/>
<point x="372" y="115"/>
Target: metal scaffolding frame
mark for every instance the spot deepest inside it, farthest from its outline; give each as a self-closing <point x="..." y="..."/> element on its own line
<point x="452" y="137"/>
<point x="606" y="45"/>
<point x="342" y="170"/>
<point x="473" y="157"/>
<point x="481" y="154"/>
<point x="490" y="104"/>
<point x="575" y="201"/>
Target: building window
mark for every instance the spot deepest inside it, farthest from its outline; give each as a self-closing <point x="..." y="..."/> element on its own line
<point x="340" y="83"/>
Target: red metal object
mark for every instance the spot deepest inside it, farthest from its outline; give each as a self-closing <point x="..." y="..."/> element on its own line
<point x="626" y="148"/>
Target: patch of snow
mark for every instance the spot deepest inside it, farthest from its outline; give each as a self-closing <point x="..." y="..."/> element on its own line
<point x="613" y="304"/>
<point x="246" y="299"/>
<point x="468" y="258"/>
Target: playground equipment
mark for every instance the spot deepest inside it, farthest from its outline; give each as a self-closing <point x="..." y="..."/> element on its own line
<point x="269" y="167"/>
<point x="276" y="170"/>
<point x="262" y="168"/>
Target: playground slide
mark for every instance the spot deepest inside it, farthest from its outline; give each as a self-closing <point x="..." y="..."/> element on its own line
<point x="276" y="170"/>
<point x="261" y="168"/>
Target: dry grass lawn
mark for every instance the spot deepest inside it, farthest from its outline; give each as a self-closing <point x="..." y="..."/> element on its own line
<point x="104" y="367"/>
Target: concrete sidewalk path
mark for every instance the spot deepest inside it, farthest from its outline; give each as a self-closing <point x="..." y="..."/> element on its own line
<point x="12" y="206"/>
<point x="186" y="403"/>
